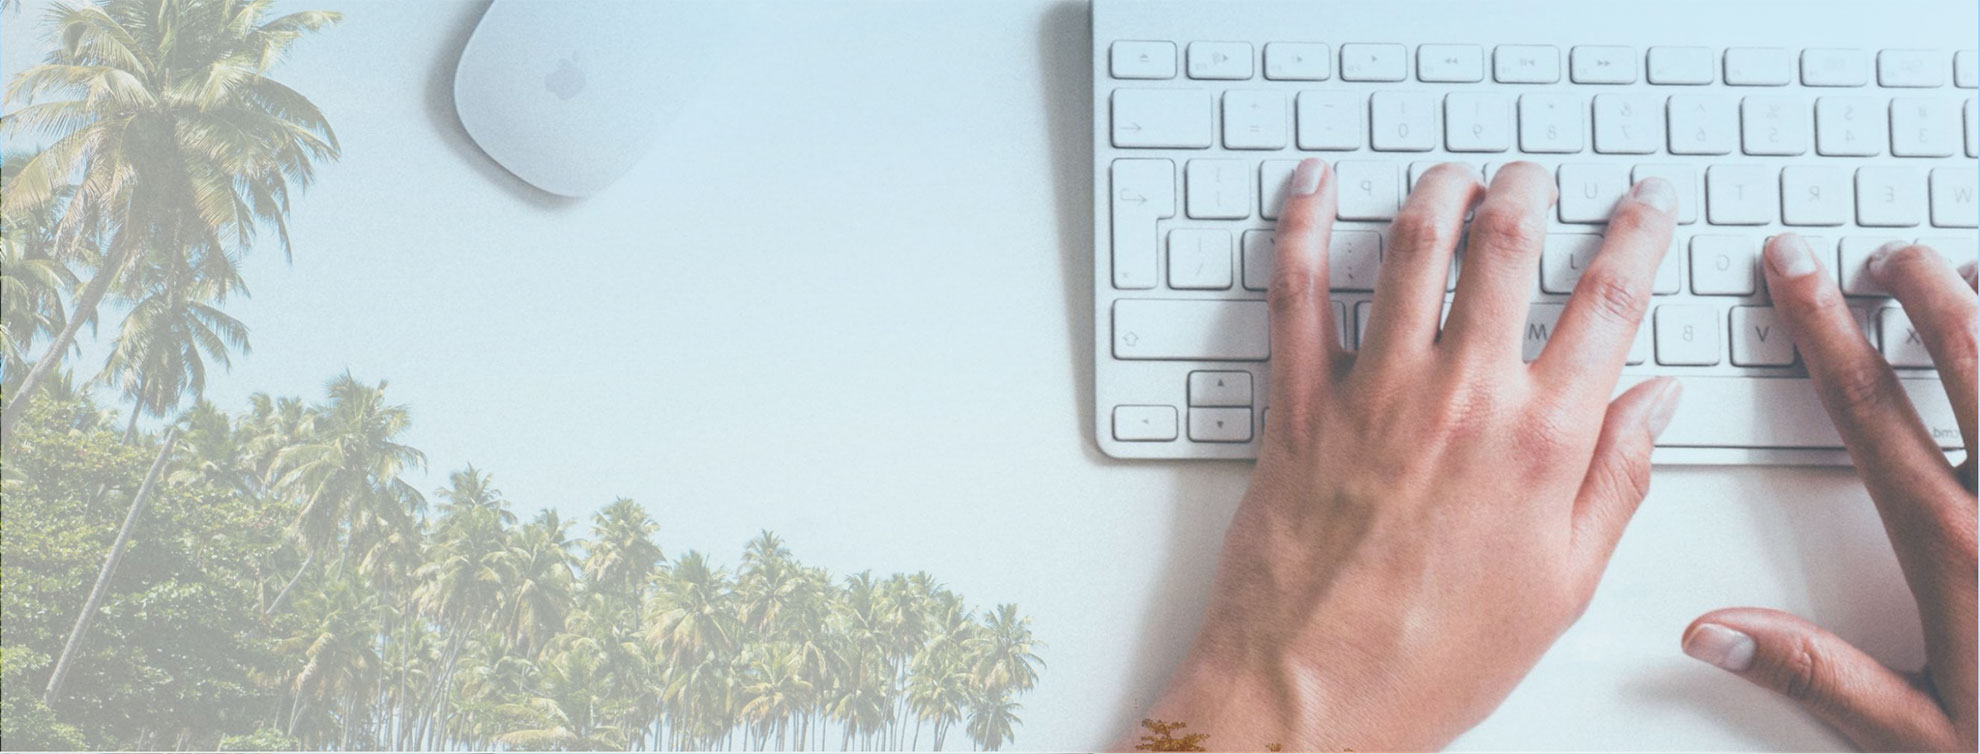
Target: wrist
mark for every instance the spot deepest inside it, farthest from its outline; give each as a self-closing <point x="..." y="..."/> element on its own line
<point x="1247" y="702"/>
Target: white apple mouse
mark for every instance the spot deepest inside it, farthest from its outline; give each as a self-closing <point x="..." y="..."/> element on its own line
<point x="569" y="95"/>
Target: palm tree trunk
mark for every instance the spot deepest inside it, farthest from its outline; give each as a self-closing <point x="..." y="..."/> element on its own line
<point x="61" y="672"/>
<point x="279" y="596"/>
<point x="92" y="295"/>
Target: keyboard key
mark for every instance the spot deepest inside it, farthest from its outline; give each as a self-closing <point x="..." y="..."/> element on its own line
<point x="1191" y="330"/>
<point x="1793" y="417"/>
<point x="1741" y="194"/>
<point x="1923" y="127"/>
<point x="1952" y="198"/>
<point x="1368" y="190"/>
<point x="1758" y="340"/>
<point x="1199" y="259"/>
<point x="1758" y="66"/>
<point x="1687" y="335"/>
<point x="1159" y="118"/>
<point x="1354" y="259"/>
<point x="1682" y="177"/>
<point x="1972" y="129"/>
<point x="1890" y="197"/>
<point x="1834" y="67"/>
<point x="1298" y="61"/>
<point x="1330" y="120"/>
<point x="1563" y="257"/>
<point x="1220" y="60"/>
<point x="1774" y="125"/>
<point x="1254" y="120"/>
<point x="1143" y="192"/>
<point x="1724" y="265"/>
<point x="1966" y="69"/>
<point x="1273" y="178"/>
<point x="1540" y="322"/>
<point x="1550" y="123"/>
<point x="1218" y="189"/>
<point x="1526" y="64"/>
<point x="1260" y="249"/>
<point x="1142" y="60"/>
<point x="1670" y="272"/>
<point x="1477" y="122"/>
<point x="1955" y="248"/>
<point x="1849" y="126"/>
<point x="1813" y="195"/>
<point x="1402" y="121"/>
<point x="1374" y="62"/>
<point x="1589" y="192"/>
<point x="1910" y="68"/>
<point x="1593" y="64"/>
<point x="1639" y="348"/>
<point x="1220" y="425"/>
<point x="1219" y="388"/>
<point x="1902" y="345"/>
<point x="1454" y="64"/>
<point x="1852" y="264"/>
<point x="1681" y="65"/>
<point x="1361" y="312"/>
<point x="1144" y="423"/>
<point x="1629" y="123"/>
<point x="1703" y="124"/>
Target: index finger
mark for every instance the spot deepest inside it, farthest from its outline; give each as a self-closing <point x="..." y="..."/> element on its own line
<point x="1304" y="338"/>
<point x="1593" y="338"/>
<point x="1893" y="451"/>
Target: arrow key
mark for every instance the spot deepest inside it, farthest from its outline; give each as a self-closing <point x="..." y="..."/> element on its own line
<point x="1220" y="424"/>
<point x="1219" y="388"/>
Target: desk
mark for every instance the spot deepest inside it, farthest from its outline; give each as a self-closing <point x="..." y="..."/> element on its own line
<point x="846" y="299"/>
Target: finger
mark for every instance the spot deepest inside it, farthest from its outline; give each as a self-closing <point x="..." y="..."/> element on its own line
<point x="1303" y="336"/>
<point x="1943" y="310"/>
<point x="1416" y="265"/>
<point x="1877" y="422"/>
<point x="1870" y="704"/>
<point x="1593" y="338"/>
<point x="1971" y="273"/>
<point x="1501" y="264"/>
<point x="1619" y="477"/>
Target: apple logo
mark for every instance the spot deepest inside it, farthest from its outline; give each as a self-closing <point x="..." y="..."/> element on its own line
<point x="567" y="80"/>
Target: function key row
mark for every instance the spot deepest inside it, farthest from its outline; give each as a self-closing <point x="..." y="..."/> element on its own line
<point x="1541" y="64"/>
<point x="1546" y="122"/>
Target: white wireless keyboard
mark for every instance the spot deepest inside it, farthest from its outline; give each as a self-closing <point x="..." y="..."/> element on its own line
<point x="1850" y="123"/>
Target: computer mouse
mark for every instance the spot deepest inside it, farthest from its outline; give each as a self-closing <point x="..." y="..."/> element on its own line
<point x="569" y="95"/>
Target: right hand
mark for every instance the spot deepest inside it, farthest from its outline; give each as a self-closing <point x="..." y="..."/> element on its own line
<point x="1927" y="505"/>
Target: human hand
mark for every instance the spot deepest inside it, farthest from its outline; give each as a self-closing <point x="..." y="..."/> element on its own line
<point x="1430" y="513"/>
<point x="1926" y="503"/>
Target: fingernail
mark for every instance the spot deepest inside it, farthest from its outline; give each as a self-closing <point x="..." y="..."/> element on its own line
<point x="1720" y="646"/>
<point x="1656" y="192"/>
<point x="1882" y="256"/>
<point x="1665" y="407"/>
<point x="1306" y="178"/>
<point x="1790" y="257"/>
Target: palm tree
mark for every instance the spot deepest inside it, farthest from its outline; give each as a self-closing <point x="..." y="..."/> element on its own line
<point x="472" y="488"/>
<point x="541" y="596"/>
<point x="569" y="710"/>
<point x="622" y="554"/>
<point x="339" y="661"/>
<point x="182" y="143"/>
<point x="992" y="719"/>
<point x="1005" y="651"/>
<point x="158" y="353"/>
<point x="32" y="279"/>
<point x="346" y="477"/>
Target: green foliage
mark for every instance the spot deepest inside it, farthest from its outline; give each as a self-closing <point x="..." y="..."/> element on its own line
<point x="285" y="589"/>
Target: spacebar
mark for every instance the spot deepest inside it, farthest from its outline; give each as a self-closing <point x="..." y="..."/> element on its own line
<point x="1752" y="412"/>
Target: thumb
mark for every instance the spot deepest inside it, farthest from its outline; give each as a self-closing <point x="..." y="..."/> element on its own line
<point x="1872" y="705"/>
<point x="1619" y="472"/>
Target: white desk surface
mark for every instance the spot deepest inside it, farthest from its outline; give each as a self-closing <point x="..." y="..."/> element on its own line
<point x="846" y="299"/>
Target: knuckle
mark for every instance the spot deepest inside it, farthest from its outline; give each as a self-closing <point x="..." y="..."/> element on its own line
<point x="1638" y="219"/>
<point x="1511" y="225"/>
<point x="1863" y="387"/>
<point x="1913" y="260"/>
<point x="1611" y="297"/>
<point x="1800" y="669"/>
<point x="1418" y="229"/>
<point x="1291" y="290"/>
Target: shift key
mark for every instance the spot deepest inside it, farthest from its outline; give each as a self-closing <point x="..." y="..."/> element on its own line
<point x="1192" y="330"/>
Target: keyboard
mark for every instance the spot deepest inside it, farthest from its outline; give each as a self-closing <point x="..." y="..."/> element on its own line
<point x="1852" y="124"/>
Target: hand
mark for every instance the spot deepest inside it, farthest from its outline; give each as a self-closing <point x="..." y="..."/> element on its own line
<point x="1429" y="514"/>
<point x="1926" y="503"/>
